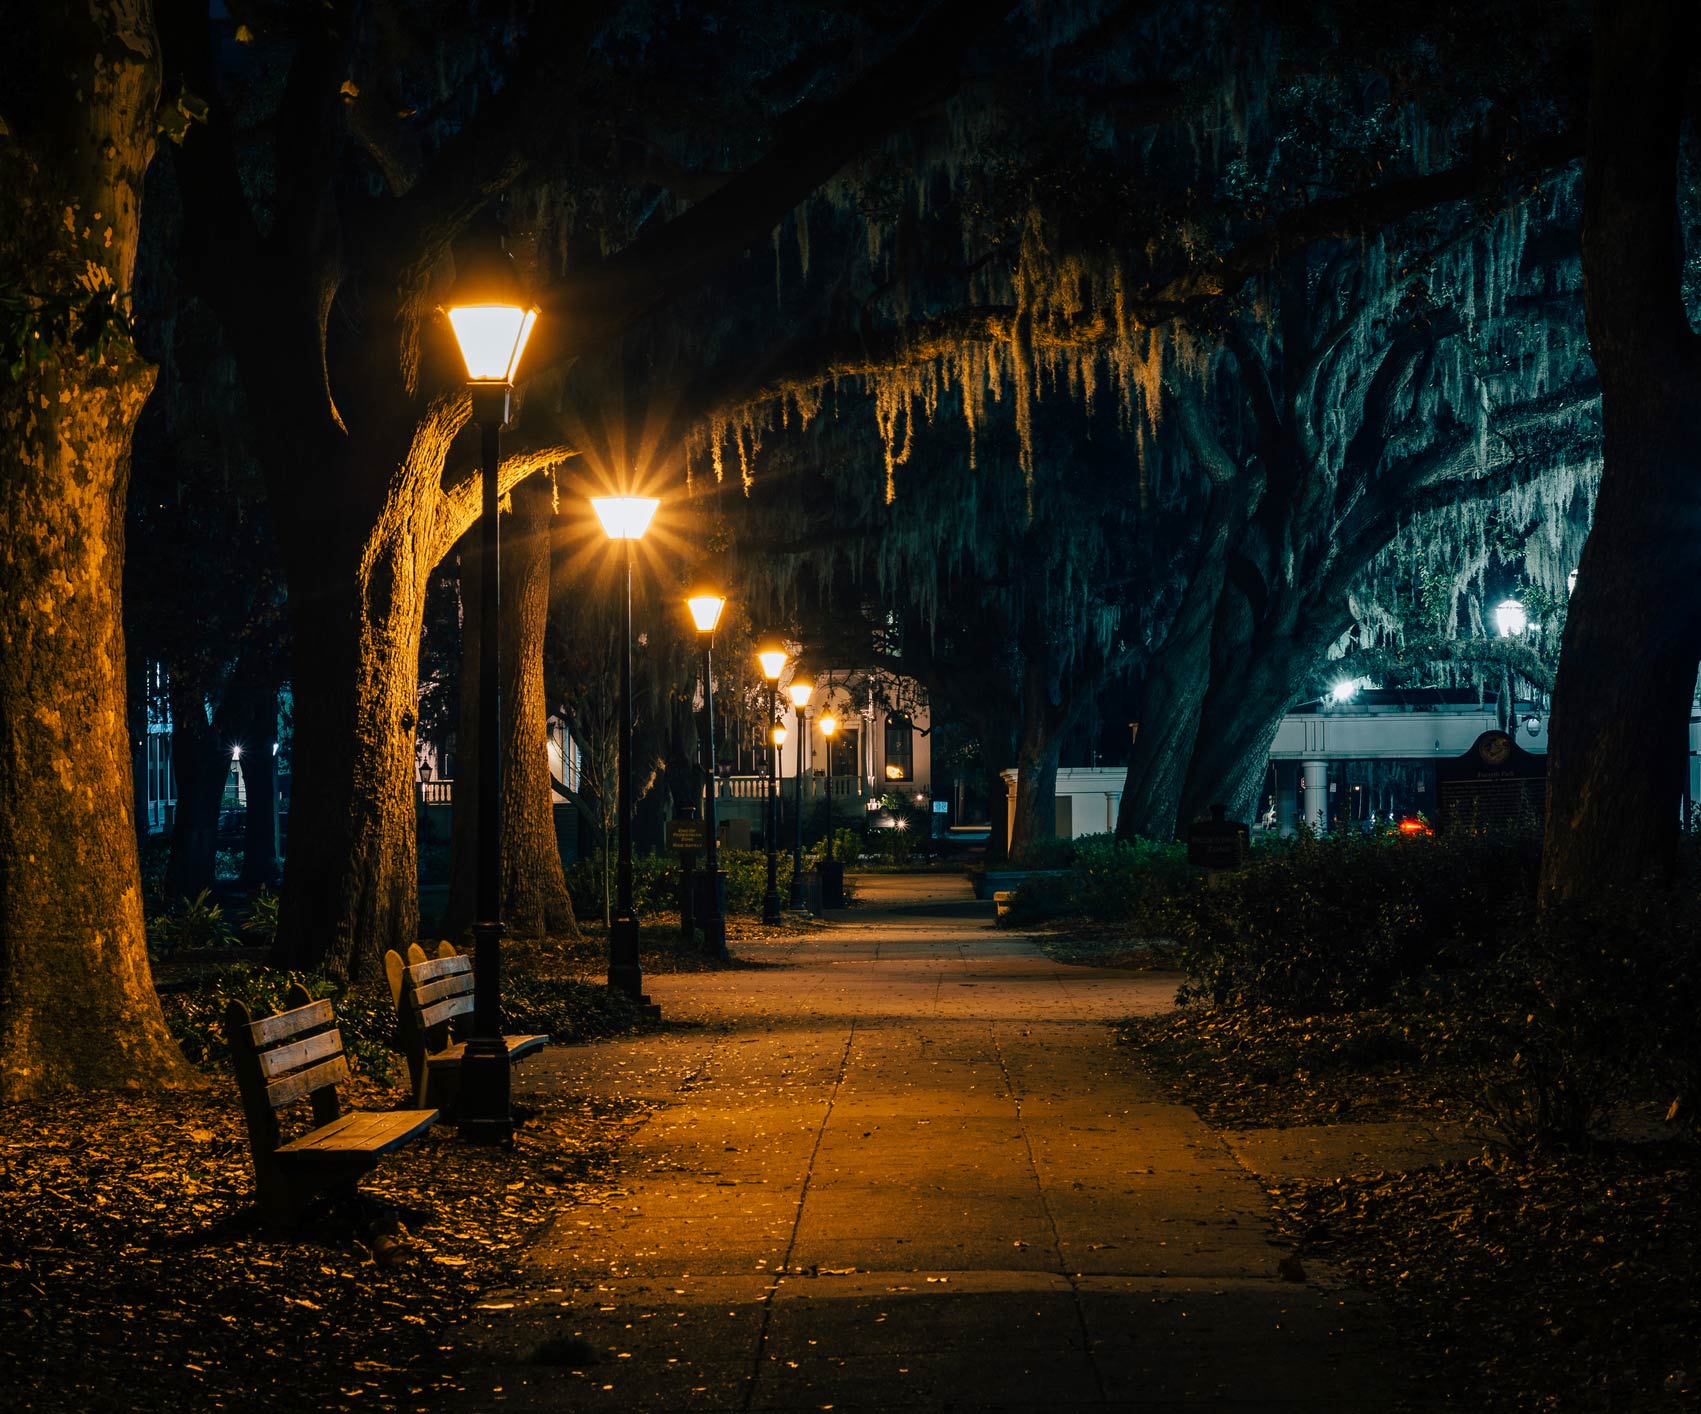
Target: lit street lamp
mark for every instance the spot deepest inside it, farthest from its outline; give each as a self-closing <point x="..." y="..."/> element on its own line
<point x="492" y="318"/>
<point x="1510" y="621"/>
<point x="773" y="661"/>
<point x="706" y="614"/>
<point x="832" y="873"/>
<point x="800" y="691"/>
<point x="625" y="518"/>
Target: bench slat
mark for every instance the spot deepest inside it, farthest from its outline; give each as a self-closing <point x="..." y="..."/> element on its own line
<point x="439" y="967"/>
<point x="364" y="1133"/>
<point x="275" y="1062"/>
<point x="518" y="1046"/>
<point x="270" y="1029"/>
<point x="458" y="985"/>
<point x="286" y="1090"/>
<point x="446" y="1011"/>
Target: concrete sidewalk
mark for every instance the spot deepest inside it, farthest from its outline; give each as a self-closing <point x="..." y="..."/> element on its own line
<point x="905" y="1168"/>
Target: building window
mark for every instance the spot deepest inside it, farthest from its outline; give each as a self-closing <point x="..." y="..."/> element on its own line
<point x="842" y="753"/>
<point x="900" y="748"/>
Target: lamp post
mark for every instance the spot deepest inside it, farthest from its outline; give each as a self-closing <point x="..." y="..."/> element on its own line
<point x="832" y="872"/>
<point x="706" y="614"/>
<point x="491" y="319"/>
<point x="625" y="518"/>
<point x="1510" y="621"/>
<point x="800" y="691"/>
<point x="773" y="661"/>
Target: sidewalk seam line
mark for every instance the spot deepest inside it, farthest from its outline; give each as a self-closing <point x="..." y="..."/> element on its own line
<point x="1051" y="1218"/>
<point x="784" y="1268"/>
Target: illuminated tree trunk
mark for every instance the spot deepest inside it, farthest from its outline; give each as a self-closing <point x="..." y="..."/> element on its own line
<point x="350" y="878"/>
<point x="1617" y="749"/>
<point x="457" y="917"/>
<point x="534" y="890"/>
<point x="77" y="1005"/>
<point x="535" y="903"/>
<point x="1177" y="679"/>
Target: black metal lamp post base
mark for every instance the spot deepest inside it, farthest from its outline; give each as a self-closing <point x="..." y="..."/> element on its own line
<point x="623" y="969"/>
<point x="486" y="1074"/>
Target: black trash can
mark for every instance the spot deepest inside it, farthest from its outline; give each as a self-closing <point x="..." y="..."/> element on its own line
<point x="832" y="883"/>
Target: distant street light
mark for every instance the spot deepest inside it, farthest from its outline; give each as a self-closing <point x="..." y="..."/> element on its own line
<point x="800" y="691"/>
<point x="706" y="614"/>
<point x="832" y="872"/>
<point x="773" y="661"/>
<point x="1344" y="691"/>
<point x="625" y="518"/>
<point x="1510" y="620"/>
<point x="492" y="319"/>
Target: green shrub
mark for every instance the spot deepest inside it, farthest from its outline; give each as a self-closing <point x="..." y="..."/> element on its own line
<point x="1142" y="884"/>
<point x="367" y="1018"/>
<point x="197" y="924"/>
<point x="655" y="882"/>
<point x="262" y="921"/>
<point x="1046" y="854"/>
<point x="1326" y="923"/>
<point x="1594" y="1004"/>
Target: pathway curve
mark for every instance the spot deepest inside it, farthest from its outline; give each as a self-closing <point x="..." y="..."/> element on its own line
<point x="904" y="1167"/>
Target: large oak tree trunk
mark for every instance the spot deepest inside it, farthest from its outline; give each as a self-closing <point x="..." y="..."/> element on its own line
<point x="1176" y="682"/>
<point x="458" y="914"/>
<point x="1617" y="751"/>
<point x="201" y="764"/>
<point x="350" y="879"/>
<point x="534" y="891"/>
<point x="78" y="89"/>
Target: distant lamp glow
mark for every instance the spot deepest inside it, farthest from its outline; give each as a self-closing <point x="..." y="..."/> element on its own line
<point x="1510" y="620"/>
<point x="894" y="773"/>
<point x="779" y="736"/>
<point x="624" y="517"/>
<point x="900" y="824"/>
<point x="236" y="753"/>
<point x="1571" y="582"/>
<point x="829" y="724"/>
<point x="1344" y="691"/>
<point x="706" y="611"/>
<point x="773" y="661"/>
<point x="800" y="691"/>
<point x="1411" y="825"/>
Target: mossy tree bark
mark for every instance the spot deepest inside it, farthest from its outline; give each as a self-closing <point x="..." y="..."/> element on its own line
<point x="534" y="890"/>
<point x="78" y="90"/>
<point x="1617" y="748"/>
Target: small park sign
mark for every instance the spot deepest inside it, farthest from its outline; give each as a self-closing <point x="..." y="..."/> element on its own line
<point x="1218" y="843"/>
<point x="687" y="835"/>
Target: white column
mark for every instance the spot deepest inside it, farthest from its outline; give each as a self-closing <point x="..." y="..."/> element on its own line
<point x="1314" y="788"/>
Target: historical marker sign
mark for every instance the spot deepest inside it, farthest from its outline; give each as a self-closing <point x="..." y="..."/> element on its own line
<point x="687" y="834"/>
<point x="1218" y="843"/>
<point x="1495" y="783"/>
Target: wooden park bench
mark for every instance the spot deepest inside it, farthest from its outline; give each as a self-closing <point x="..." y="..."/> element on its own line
<point x="298" y="1055"/>
<point x="434" y="1005"/>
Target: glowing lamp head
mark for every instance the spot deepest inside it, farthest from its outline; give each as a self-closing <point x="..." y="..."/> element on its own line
<point x="706" y="610"/>
<point x="829" y="724"/>
<point x="1510" y="620"/>
<point x="773" y="661"/>
<point x="624" y="517"/>
<point x="779" y="736"/>
<point x="894" y="773"/>
<point x="800" y="691"/>
<point x="489" y="310"/>
<point x="492" y="338"/>
<point x="1343" y="691"/>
